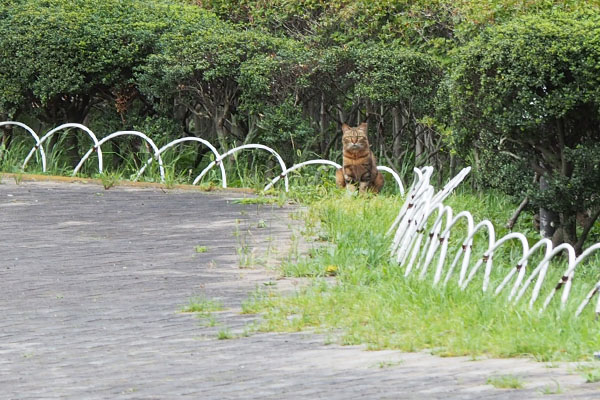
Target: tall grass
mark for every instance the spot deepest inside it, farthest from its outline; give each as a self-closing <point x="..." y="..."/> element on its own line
<point x="11" y="158"/>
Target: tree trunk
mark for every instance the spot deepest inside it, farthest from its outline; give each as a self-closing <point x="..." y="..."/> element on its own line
<point x="549" y="220"/>
<point x="397" y="125"/>
<point x="322" y="125"/>
<point x="452" y="165"/>
<point x="202" y="128"/>
<point x="419" y="145"/>
<point x="219" y="121"/>
<point x="115" y="154"/>
<point x="71" y="143"/>
<point x="220" y="117"/>
<point x="474" y="180"/>
<point x="567" y="230"/>
<point x="5" y="140"/>
<point x="252" y="129"/>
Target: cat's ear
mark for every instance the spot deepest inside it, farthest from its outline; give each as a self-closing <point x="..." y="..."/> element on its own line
<point x="364" y="127"/>
<point x="345" y="127"/>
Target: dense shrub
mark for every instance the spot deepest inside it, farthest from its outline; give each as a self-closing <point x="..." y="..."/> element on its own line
<point x="534" y="85"/>
<point x="60" y="58"/>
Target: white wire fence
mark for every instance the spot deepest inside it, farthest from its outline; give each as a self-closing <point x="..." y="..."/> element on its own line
<point x="157" y="152"/>
<point x="422" y="234"/>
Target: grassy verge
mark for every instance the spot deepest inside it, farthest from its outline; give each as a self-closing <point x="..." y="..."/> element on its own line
<point x="372" y="303"/>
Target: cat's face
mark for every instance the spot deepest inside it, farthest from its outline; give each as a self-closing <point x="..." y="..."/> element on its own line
<point x="355" y="139"/>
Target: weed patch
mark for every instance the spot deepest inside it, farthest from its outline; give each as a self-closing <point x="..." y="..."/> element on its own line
<point x="109" y="179"/>
<point x="591" y="373"/>
<point x="225" y="334"/>
<point x="555" y="389"/>
<point x="202" y="305"/>
<point x="262" y="200"/>
<point x="200" y="249"/>
<point x="505" y="382"/>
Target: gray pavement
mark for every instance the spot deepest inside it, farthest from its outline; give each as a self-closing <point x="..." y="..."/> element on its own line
<point x="92" y="281"/>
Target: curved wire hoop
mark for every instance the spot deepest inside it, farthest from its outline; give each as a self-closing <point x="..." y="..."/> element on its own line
<point x="38" y="144"/>
<point x="96" y="147"/>
<point x="220" y="158"/>
<point x="67" y="126"/>
<point x="188" y="139"/>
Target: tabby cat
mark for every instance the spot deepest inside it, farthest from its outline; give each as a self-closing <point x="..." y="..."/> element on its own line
<point x="359" y="167"/>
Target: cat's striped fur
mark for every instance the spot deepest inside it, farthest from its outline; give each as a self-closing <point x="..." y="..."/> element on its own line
<point x="359" y="164"/>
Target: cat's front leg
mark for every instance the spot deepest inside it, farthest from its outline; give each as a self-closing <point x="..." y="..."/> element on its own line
<point x="350" y="180"/>
<point x="350" y="183"/>
<point x="340" y="178"/>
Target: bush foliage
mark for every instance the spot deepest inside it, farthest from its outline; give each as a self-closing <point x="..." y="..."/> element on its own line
<point x="533" y="85"/>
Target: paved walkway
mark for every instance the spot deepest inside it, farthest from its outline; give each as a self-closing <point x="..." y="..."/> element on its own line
<point x="91" y="282"/>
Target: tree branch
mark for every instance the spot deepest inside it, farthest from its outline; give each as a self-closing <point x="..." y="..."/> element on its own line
<point x="586" y="230"/>
<point x="538" y="169"/>
<point x="513" y="219"/>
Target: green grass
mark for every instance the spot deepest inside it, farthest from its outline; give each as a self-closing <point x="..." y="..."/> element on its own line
<point x="591" y="373"/>
<point x="200" y="249"/>
<point x="18" y="177"/>
<point x="261" y="200"/>
<point x="225" y="334"/>
<point x="505" y="382"/>
<point x="555" y="389"/>
<point x="372" y="302"/>
<point x="202" y="305"/>
<point x="109" y="179"/>
<point x="389" y="364"/>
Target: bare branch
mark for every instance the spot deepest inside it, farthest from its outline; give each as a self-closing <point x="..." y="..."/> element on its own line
<point x="513" y="219"/>
<point x="586" y="230"/>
